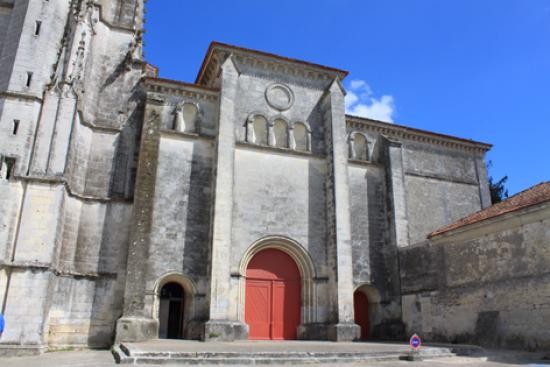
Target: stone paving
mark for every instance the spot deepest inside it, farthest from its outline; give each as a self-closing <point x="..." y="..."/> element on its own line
<point x="165" y="345"/>
<point x="103" y="358"/>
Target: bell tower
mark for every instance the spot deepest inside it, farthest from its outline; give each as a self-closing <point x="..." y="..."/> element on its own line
<point x="70" y="74"/>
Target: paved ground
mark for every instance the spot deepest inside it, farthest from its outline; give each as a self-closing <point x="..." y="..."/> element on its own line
<point x="163" y="345"/>
<point x="89" y="358"/>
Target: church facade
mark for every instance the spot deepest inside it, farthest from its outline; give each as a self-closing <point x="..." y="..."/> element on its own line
<point x="245" y="205"/>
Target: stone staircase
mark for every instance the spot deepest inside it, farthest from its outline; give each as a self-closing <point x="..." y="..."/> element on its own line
<point x="128" y="353"/>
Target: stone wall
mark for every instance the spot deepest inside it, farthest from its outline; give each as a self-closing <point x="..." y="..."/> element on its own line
<point x="65" y="210"/>
<point x="442" y="180"/>
<point x="268" y="201"/>
<point x="180" y="232"/>
<point x="171" y="225"/>
<point x="73" y="237"/>
<point x="487" y="283"/>
<point x="374" y="254"/>
<point x="442" y="186"/>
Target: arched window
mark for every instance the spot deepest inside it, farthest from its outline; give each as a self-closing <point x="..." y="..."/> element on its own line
<point x="260" y="130"/>
<point x="186" y="117"/>
<point x="360" y="147"/>
<point x="300" y="136"/>
<point x="280" y="133"/>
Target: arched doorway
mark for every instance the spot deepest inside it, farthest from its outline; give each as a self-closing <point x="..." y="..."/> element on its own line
<point x="273" y="296"/>
<point x="171" y="308"/>
<point x="361" y="311"/>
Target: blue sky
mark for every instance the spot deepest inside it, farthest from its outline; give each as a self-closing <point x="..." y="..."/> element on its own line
<point x="478" y="69"/>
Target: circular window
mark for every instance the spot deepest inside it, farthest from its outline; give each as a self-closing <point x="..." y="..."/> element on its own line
<point x="279" y="96"/>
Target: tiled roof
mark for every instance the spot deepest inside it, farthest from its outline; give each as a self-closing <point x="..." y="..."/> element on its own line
<point x="535" y="195"/>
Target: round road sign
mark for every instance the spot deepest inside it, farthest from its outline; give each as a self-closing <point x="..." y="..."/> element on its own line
<point x="415" y="342"/>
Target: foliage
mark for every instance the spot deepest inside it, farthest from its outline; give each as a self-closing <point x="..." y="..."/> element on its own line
<point x="497" y="188"/>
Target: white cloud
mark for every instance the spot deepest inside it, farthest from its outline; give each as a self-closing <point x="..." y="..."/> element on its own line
<point x="360" y="101"/>
<point x="357" y="84"/>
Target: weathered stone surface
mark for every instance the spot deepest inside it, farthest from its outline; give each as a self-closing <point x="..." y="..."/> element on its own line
<point x="64" y="222"/>
<point x="115" y="184"/>
<point x="486" y="284"/>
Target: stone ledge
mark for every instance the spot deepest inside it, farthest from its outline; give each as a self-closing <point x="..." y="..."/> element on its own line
<point x="7" y="350"/>
<point x="344" y="332"/>
<point x="286" y="151"/>
<point x="264" y="352"/>
<point x="225" y="330"/>
<point x="134" y="329"/>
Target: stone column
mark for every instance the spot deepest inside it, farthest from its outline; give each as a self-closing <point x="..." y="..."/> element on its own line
<point x="250" y="130"/>
<point x="338" y="216"/>
<point x="291" y="138"/>
<point x="396" y="192"/>
<point x="61" y="138"/>
<point x="136" y="324"/>
<point x="222" y="325"/>
<point x="44" y="133"/>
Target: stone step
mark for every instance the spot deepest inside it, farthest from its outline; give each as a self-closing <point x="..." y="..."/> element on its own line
<point x="125" y="355"/>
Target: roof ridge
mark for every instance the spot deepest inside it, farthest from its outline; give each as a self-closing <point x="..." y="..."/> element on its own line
<point x="498" y="209"/>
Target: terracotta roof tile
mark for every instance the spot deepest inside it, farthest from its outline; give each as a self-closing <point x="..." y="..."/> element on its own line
<point x="532" y="196"/>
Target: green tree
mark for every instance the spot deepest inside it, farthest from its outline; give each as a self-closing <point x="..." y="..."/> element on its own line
<point x="498" y="190"/>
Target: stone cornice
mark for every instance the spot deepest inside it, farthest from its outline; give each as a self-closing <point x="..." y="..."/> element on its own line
<point x="438" y="177"/>
<point x="277" y="150"/>
<point x="409" y="133"/>
<point x="54" y="180"/>
<point x="20" y="95"/>
<point x="217" y="52"/>
<point x="185" y="135"/>
<point x="39" y="266"/>
<point x="174" y="87"/>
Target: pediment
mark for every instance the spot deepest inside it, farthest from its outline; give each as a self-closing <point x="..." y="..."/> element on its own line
<point x="262" y="64"/>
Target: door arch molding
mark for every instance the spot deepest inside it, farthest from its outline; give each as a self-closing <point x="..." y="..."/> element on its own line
<point x="189" y="290"/>
<point x="304" y="263"/>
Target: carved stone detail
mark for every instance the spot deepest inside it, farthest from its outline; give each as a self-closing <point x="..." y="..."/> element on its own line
<point x="279" y="96"/>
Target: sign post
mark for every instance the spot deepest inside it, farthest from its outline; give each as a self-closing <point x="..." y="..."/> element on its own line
<point x="414" y="354"/>
<point x="415" y="342"/>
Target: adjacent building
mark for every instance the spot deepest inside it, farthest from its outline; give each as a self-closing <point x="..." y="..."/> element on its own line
<point x="485" y="278"/>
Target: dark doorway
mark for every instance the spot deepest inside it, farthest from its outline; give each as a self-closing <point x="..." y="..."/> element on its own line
<point x="171" y="311"/>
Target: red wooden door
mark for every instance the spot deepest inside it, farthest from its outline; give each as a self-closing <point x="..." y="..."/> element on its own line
<point x="361" y="309"/>
<point x="272" y="304"/>
<point x="257" y="310"/>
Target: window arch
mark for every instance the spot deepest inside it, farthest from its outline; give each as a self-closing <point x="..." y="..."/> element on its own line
<point x="186" y="115"/>
<point x="301" y="137"/>
<point x="280" y="133"/>
<point x="258" y="129"/>
<point x="358" y="146"/>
